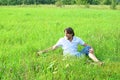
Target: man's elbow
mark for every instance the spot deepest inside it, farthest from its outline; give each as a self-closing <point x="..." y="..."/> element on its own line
<point x="85" y="45"/>
<point x="54" y="47"/>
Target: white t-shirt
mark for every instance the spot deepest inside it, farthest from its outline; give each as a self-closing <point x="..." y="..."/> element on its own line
<point x="70" y="48"/>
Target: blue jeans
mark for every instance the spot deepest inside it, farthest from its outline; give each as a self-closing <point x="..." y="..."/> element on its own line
<point x="85" y="50"/>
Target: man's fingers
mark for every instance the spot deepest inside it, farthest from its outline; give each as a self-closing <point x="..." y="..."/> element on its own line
<point x="39" y="52"/>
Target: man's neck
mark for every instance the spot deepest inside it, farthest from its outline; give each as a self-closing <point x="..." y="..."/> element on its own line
<point x="70" y="39"/>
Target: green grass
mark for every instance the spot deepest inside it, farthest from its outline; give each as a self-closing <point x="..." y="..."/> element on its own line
<point x="24" y="30"/>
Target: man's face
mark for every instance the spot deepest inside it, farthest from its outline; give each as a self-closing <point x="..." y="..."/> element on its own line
<point x="69" y="36"/>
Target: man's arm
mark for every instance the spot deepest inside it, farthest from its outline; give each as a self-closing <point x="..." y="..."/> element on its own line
<point x="47" y="50"/>
<point x="85" y="45"/>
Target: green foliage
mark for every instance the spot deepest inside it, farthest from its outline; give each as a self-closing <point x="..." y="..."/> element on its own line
<point x="96" y="2"/>
<point x="3" y="2"/>
<point x="106" y="2"/>
<point x="87" y="5"/>
<point x="59" y="3"/>
<point x="68" y="2"/>
<point x="113" y="4"/>
<point x="82" y="2"/>
<point x="65" y="2"/>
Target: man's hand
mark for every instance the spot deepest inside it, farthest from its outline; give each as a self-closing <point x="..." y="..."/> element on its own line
<point x="46" y="50"/>
<point x="40" y="52"/>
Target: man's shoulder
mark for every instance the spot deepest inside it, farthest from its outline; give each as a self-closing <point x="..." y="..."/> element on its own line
<point x="77" y="38"/>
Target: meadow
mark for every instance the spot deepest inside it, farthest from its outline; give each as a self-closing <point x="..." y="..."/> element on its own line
<point x="26" y="29"/>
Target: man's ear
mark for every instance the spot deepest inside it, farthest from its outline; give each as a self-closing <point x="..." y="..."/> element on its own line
<point x="72" y="35"/>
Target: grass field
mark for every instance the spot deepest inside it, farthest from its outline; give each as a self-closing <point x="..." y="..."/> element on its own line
<point x="24" y="30"/>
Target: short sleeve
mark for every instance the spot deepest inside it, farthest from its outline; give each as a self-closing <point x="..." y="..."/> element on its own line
<point x="81" y="42"/>
<point x="59" y="43"/>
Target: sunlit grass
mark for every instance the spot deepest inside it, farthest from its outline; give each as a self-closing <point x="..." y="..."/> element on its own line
<point x="25" y="30"/>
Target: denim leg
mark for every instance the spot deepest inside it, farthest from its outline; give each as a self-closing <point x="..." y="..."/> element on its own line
<point x="85" y="50"/>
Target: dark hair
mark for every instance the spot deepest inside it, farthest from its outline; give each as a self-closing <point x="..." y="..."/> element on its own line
<point x="69" y="30"/>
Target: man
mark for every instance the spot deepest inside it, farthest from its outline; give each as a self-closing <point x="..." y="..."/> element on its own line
<point x="69" y="44"/>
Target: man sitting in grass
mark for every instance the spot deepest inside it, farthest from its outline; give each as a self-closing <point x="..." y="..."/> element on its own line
<point x="69" y="44"/>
